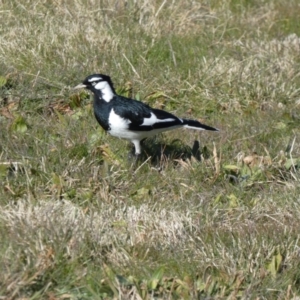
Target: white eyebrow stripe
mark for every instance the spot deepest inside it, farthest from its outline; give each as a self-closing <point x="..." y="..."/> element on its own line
<point x="95" y="79"/>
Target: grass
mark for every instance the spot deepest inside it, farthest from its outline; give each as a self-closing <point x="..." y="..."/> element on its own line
<point x="210" y="216"/>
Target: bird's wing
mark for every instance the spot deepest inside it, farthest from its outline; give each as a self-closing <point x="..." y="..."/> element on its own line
<point x="142" y="117"/>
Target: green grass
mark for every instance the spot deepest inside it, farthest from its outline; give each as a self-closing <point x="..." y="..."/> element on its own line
<point x="207" y="216"/>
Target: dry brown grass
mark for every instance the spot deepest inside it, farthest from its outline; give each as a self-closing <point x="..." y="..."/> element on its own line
<point x="76" y="222"/>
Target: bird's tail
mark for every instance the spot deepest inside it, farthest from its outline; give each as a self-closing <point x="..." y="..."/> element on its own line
<point x="193" y="124"/>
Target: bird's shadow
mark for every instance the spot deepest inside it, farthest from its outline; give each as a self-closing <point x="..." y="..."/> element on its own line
<point x="157" y="152"/>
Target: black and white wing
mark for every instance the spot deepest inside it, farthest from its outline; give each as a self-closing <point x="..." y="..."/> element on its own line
<point x="142" y="117"/>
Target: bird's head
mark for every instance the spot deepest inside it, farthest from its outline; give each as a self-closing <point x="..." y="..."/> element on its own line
<point x="101" y="85"/>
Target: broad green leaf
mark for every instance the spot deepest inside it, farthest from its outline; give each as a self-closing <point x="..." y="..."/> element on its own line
<point x="19" y="124"/>
<point x="233" y="201"/>
<point x="156" y="278"/>
<point x="292" y="162"/>
<point x="231" y="168"/>
<point x="57" y="181"/>
<point x="275" y="264"/>
<point x="280" y="125"/>
<point x="3" y="169"/>
<point x="3" y="81"/>
<point x="218" y="199"/>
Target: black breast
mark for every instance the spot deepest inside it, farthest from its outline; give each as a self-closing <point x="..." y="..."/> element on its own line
<point x="101" y="111"/>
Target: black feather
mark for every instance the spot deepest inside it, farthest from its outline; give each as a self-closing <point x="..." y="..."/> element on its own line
<point x="194" y="123"/>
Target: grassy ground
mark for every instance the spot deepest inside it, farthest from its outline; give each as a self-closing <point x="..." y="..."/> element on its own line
<point x="208" y="216"/>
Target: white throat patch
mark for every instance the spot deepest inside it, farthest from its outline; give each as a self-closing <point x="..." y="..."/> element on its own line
<point x="106" y="91"/>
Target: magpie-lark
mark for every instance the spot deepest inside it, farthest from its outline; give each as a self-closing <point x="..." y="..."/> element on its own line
<point x="131" y="119"/>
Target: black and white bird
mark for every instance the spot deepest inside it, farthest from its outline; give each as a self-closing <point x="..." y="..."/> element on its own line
<point x="131" y="119"/>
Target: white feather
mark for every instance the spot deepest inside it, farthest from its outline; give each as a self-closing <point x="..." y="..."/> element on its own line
<point x="153" y="120"/>
<point x="96" y="78"/>
<point x="118" y="125"/>
<point x="107" y="92"/>
<point x="119" y="128"/>
<point x="193" y="127"/>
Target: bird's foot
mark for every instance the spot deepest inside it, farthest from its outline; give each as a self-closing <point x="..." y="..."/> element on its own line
<point x="134" y="158"/>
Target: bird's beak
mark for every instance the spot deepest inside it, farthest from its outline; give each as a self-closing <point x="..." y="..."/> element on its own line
<point x="80" y="86"/>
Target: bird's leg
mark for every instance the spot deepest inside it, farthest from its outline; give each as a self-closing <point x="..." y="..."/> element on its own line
<point x="137" y="158"/>
<point x="131" y="154"/>
<point x="134" y="159"/>
<point x="134" y="155"/>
